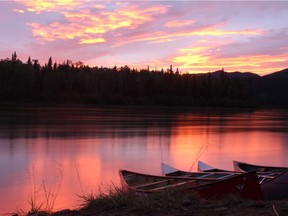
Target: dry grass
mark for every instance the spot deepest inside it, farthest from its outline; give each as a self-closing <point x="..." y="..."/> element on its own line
<point x="169" y="203"/>
<point x="43" y="196"/>
<point x="117" y="202"/>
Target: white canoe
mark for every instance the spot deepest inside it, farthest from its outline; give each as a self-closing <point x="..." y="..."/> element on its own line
<point x="203" y="167"/>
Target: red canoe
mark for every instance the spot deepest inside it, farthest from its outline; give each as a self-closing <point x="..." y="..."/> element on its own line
<point x="245" y="185"/>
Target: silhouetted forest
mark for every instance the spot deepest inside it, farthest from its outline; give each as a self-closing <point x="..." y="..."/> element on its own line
<point x="77" y="83"/>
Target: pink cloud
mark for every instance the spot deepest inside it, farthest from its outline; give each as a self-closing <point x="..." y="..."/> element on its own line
<point x="69" y="51"/>
<point x="89" y="27"/>
<point x="271" y="43"/>
<point x="179" y="23"/>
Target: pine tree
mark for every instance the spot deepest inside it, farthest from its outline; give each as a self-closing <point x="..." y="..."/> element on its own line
<point x="14" y="57"/>
<point x="29" y="62"/>
<point x="50" y="64"/>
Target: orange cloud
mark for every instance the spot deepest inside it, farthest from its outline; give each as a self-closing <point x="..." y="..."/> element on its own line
<point x="19" y="11"/>
<point x="190" y="59"/>
<point x="40" y="31"/>
<point x="219" y="32"/>
<point x="89" y="27"/>
<point x="255" y="63"/>
<point x="92" y="40"/>
<point x="201" y="59"/>
<point x="54" y="31"/>
<point x="192" y="56"/>
<point x="39" y="6"/>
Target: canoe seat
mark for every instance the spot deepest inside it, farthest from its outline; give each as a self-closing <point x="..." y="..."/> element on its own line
<point x="130" y="176"/>
<point x="187" y="183"/>
<point x="213" y="176"/>
<point x="207" y="175"/>
<point x="151" y="184"/>
<point x="227" y="176"/>
<point x="269" y="173"/>
<point x="263" y="179"/>
<point x="180" y="185"/>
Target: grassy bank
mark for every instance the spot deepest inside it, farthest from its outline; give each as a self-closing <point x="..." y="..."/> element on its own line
<point x="166" y="203"/>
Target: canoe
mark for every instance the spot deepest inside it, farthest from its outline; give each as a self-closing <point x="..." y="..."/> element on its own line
<point x="245" y="185"/>
<point x="203" y="167"/>
<point x="273" y="180"/>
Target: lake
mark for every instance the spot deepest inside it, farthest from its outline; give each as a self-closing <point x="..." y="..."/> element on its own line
<point x="58" y="153"/>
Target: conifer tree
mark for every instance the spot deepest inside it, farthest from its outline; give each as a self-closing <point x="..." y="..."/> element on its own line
<point x="14" y="57"/>
<point x="29" y="62"/>
<point x="50" y="64"/>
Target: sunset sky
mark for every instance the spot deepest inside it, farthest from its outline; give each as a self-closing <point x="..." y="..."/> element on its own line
<point x="195" y="36"/>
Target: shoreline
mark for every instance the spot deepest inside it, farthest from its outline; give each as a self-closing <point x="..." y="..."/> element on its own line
<point x="168" y="203"/>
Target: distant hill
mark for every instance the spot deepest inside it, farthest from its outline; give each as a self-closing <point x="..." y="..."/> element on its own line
<point x="236" y="74"/>
<point x="278" y="74"/>
<point x="272" y="89"/>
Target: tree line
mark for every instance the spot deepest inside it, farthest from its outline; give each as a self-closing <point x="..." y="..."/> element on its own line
<point x="78" y="83"/>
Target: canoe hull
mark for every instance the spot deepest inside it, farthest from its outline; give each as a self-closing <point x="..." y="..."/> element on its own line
<point x="245" y="186"/>
<point x="276" y="189"/>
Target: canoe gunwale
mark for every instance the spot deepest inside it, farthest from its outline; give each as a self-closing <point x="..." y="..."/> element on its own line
<point x="203" y="167"/>
<point x="238" y="166"/>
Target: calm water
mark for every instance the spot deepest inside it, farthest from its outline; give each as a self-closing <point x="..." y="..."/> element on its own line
<point x="67" y="151"/>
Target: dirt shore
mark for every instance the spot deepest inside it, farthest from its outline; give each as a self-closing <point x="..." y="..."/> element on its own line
<point x="189" y="207"/>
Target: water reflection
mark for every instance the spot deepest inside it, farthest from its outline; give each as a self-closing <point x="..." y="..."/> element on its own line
<point x="81" y="149"/>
